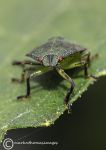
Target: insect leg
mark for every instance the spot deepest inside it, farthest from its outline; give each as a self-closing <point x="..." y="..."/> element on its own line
<point x="28" y="89"/>
<point x="16" y="80"/>
<point x="23" y="63"/>
<point x="88" y="60"/>
<point x="23" y="75"/>
<point x="86" y="70"/>
<point x="70" y="90"/>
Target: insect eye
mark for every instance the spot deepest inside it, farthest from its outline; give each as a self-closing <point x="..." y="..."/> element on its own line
<point x="60" y="58"/>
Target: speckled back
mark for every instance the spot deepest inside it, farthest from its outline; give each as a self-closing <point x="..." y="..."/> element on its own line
<point x="57" y="46"/>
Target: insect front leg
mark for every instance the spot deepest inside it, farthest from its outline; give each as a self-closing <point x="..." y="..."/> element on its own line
<point x="70" y="90"/>
<point x="28" y="78"/>
<point x="28" y="89"/>
<point x="23" y="65"/>
<point x="23" y="75"/>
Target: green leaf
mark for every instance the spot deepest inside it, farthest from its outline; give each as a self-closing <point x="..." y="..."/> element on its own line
<point x="25" y="25"/>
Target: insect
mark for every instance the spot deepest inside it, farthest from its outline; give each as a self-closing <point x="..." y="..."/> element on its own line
<point x="58" y="54"/>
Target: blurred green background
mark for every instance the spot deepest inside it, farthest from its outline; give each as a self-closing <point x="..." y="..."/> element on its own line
<point x="24" y="24"/>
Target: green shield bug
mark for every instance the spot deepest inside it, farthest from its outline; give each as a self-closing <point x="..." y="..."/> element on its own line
<point x="59" y="54"/>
